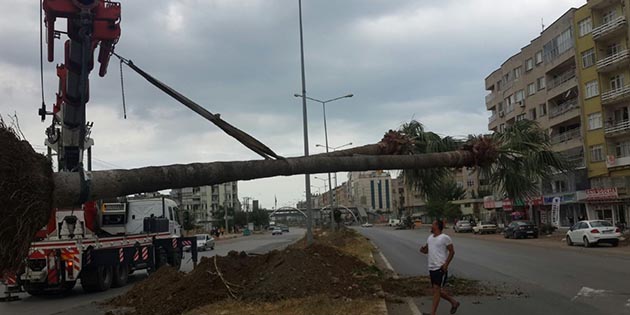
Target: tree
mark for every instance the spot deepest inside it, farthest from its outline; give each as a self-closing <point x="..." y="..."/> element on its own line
<point x="240" y="218"/>
<point x="219" y="216"/>
<point x="439" y="202"/>
<point x="260" y="217"/>
<point x="188" y="221"/>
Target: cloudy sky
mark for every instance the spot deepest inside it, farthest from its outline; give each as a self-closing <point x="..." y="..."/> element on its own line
<point x="402" y="60"/>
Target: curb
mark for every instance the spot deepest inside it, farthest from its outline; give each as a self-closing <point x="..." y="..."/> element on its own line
<point x="382" y="305"/>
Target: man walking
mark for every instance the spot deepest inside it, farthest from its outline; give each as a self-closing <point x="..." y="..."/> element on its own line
<point x="439" y="246"/>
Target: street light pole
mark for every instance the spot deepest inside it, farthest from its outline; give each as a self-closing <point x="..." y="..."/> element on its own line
<point x="304" y="97"/>
<point x="307" y="177"/>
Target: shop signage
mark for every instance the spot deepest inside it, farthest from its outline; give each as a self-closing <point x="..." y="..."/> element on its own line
<point x="535" y="201"/>
<point x="507" y="204"/>
<point x="555" y="211"/>
<point x="488" y="202"/>
<point x="601" y="193"/>
<point x="563" y="199"/>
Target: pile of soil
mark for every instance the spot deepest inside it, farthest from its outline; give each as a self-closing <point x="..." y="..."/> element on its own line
<point x="26" y="188"/>
<point x="291" y="273"/>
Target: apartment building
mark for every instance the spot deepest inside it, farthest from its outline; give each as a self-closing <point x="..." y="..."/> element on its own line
<point x="604" y="76"/>
<point x="472" y="202"/>
<point x="203" y="201"/>
<point x="371" y="189"/>
<point x="540" y="83"/>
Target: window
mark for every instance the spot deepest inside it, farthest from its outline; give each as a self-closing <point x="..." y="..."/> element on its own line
<point x="592" y="89"/>
<point x="520" y="117"/>
<point x="470" y="183"/>
<point x="519" y="96"/>
<point x="620" y="115"/>
<point x="597" y="153"/>
<point x="502" y="128"/>
<point x="539" y="57"/>
<point x="613" y="49"/>
<point x="585" y="26"/>
<point x="609" y="16"/>
<point x="616" y="82"/>
<point x="588" y="58"/>
<point x="559" y="45"/>
<point x="532" y="113"/>
<point x="531" y="89"/>
<point x="529" y="64"/>
<point x="595" y="121"/>
<point x="540" y="82"/>
<point x="559" y="186"/>
<point x="499" y="85"/>
<point x="622" y="149"/>
<point x="517" y="72"/>
<point x="543" y="110"/>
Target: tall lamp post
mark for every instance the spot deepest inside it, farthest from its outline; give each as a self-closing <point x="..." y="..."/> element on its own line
<point x="304" y="98"/>
<point x="307" y="177"/>
<point x="334" y="149"/>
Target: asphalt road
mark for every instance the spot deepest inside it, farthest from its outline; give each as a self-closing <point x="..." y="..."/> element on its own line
<point x="77" y="302"/>
<point x="553" y="279"/>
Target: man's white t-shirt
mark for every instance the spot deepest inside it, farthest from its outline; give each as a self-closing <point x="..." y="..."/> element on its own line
<point x="438" y="253"/>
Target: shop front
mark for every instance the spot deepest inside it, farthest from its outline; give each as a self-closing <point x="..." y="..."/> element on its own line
<point x="567" y="210"/>
<point x="606" y="204"/>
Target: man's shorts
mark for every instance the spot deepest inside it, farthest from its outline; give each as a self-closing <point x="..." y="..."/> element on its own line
<point x="438" y="277"/>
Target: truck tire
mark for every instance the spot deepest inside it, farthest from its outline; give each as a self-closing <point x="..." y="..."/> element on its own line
<point x="34" y="289"/>
<point x="175" y="260"/>
<point x="160" y="260"/>
<point x="120" y="275"/>
<point x="97" y="279"/>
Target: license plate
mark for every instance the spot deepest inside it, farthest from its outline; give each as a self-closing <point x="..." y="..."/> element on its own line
<point x="607" y="232"/>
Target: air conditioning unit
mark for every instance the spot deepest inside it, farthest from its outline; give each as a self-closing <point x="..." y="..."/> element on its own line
<point x="501" y="114"/>
<point x="521" y="103"/>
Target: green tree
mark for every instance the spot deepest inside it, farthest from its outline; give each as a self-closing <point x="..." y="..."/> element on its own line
<point x="188" y="221"/>
<point x="260" y="218"/>
<point x="240" y="218"/>
<point x="440" y="202"/>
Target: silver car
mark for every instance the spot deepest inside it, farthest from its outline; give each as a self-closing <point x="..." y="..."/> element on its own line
<point x="463" y="226"/>
<point x="204" y="242"/>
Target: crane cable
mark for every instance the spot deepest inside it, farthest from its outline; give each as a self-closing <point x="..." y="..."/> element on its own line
<point x="41" y="49"/>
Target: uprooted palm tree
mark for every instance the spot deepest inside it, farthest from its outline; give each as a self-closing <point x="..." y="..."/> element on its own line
<point x="29" y="189"/>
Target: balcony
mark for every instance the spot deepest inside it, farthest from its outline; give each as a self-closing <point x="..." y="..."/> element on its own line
<point x="618" y="127"/>
<point x="612" y="161"/>
<point x="600" y="4"/>
<point x="567" y="140"/>
<point x="563" y="108"/>
<point x="616" y="95"/>
<point x="490" y="97"/>
<point x="613" y="62"/>
<point x="576" y="161"/>
<point x="492" y="118"/>
<point x="565" y="80"/>
<point x="608" y="29"/>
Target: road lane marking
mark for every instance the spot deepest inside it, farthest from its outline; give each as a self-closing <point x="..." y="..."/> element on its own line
<point x="388" y="265"/>
<point x="413" y="307"/>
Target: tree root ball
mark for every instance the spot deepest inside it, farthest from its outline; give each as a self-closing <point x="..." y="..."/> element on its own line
<point x="26" y="189"/>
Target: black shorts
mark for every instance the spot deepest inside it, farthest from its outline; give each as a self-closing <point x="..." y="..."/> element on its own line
<point x="438" y="277"/>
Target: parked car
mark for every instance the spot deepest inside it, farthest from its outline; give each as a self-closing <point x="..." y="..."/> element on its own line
<point x="485" y="227"/>
<point x="393" y="222"/>
<point x="204" y="241"/>
<point x="284" y="228"/>
<point x="520" y="229"/>
<point x="593" y="232"/>
<point x="276" y="231"/>
<point x="366" y="224"/>
<point x="462" y="226"/>
<point x="271" y="227"/>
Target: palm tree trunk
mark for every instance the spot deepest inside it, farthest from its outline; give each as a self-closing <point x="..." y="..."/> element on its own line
<point x="114" y="183"/>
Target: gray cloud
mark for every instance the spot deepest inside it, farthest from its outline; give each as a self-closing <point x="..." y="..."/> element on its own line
<point x="402" y="59"/>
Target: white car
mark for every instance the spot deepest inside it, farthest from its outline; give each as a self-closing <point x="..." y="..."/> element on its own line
<point x="593" y="232"/>
<point x="366" y="224"/>
<point x="204" y="241"/>
<point x="276" y="231"/>
<point x="393" y="222"/>
<point x="485" y="227"/>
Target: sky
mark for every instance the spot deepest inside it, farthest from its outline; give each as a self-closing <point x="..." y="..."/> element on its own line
<point x="402" y="60"/>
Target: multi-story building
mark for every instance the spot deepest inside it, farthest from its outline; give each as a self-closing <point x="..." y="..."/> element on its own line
<point x="539" y="83"/>
<point x="602" y="32"/>
<point x="371" y="190"/>
<point x="472" y="201"/>
<point x="203" y="201"/>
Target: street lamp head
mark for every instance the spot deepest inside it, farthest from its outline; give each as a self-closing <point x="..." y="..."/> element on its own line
<point x="297" y="95"/>
<point x="349" y="95"/>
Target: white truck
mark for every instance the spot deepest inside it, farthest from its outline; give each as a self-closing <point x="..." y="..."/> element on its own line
<point x="101" y="244"/>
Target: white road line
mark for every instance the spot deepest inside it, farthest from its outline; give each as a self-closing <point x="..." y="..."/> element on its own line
<point x="413" y="307"/>
<point x="388" y="265"/>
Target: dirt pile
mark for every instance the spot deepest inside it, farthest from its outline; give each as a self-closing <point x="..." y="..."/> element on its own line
<point x="291" y="273"/>
<point x="26" y="196"/>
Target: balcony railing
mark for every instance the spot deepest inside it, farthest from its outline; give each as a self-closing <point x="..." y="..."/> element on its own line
<point x="613" y="161"/>
<point x="615" y="59"/>
<point x="490" y="97"/>
<point x="563" y="108"/>
<point x="607" y="28"/>
<point x="576" y="160"/>
<point x="559" y="80"/>
<point x="616" y="95"/>
<point x="566" y="136"/>
<point x="492" y="118"/>
<point x="618" y="127"/>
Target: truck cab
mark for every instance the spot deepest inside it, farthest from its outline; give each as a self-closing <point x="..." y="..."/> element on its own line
<point x="139" y="216"/>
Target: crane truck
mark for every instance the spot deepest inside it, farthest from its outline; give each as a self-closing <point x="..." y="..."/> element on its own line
<point x="99" y="243"/>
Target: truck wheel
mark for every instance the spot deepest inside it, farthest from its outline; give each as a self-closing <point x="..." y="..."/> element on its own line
<point x="120" y="275"/>
<point x="67" y="286"/>
<point x="97" y="279"/>
<point x="160" y="260"/>
<point x="175" y="260"/>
